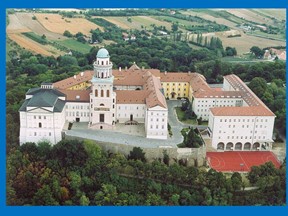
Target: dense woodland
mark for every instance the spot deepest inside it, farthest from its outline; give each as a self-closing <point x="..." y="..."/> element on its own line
<point x="78" y="173"/>
<point x="25" y="70"/>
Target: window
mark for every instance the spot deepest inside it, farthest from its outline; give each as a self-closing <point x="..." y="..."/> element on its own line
<point x="157" y="119"/>
<point x="156" y="126"/>
<point x="102" y="93"/>
<point x="151" y="126"/>
<point x="44" y="117"/>
<point x="107" y="93"/>
<point x="39" y="117"/>
<point x="40" y="125"/>
<point x="96" y="94"/>
<point x="162" y="126"/>
<point x="101" y="117"/>
<point x="35" y="133"/>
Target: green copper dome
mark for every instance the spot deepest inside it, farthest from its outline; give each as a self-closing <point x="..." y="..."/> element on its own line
<point x="102" y="53"/>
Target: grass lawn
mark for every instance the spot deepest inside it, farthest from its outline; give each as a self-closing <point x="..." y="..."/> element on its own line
<point x="75" y="45"/>
<point x="180" y="115"/>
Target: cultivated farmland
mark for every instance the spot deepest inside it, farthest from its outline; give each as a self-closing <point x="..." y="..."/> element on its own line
<point x="209" y="17"/>
<point x="75" y="45"/>
<point x="58" y="24"/>
<point x="23" y="22"/>
<point x="137" y="22"/>
<point x="245" y="42"/>
<point x="33" y="46"/>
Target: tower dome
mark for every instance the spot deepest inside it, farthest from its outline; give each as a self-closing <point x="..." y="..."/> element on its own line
<point x="102" y="53"/>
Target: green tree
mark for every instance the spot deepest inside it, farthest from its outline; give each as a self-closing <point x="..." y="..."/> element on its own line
<point x="174" y="27"/>
<point x="67" y="34"/>
<point x="44" y="197"/>
<point x="192" y="139"/>
<point x="84" y="200"/>
<point x="257" y="51"/>
<point x="107" y="195"/>
<point x="137" y="154"/>
<point x="67" y="61"/>
<point x="236" y="181"/>
<point x="258" y="85"/>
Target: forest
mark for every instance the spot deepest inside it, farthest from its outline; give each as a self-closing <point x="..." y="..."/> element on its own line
<point x="79" y="173"/>
<point x="25" y="70"/>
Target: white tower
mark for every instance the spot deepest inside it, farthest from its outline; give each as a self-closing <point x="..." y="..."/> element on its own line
<point x="102" y="97"/>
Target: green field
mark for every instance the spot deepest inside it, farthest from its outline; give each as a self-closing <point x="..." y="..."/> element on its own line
<point x="219" y="14"/>
<point x="75" y="45"/>
<point x="37" y="38"/>
<point x="137" y="22"/>
<point x="270" y="36"/>
<point x="176" y="20"/>
<point x="180" y="115"/>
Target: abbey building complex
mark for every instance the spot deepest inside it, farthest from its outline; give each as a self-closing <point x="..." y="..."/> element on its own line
<point x="237" y="118"/>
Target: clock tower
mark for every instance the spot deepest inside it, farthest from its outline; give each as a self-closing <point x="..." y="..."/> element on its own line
<point x="102" y="97"/>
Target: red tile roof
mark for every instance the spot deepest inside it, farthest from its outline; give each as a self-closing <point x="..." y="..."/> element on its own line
<point x="85" y="76"/>
<point x="131" y="97"/>
<point x="255" y="106"/>
<point x="76" y="95"/>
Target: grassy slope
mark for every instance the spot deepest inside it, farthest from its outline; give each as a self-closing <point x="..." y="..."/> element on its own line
<point x="75" y="45"/>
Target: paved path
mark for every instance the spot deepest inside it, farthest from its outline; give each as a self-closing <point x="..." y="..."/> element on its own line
<point x="81" y="130"/>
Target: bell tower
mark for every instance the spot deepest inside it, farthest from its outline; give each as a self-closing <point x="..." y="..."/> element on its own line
<point x="102" y="97"/>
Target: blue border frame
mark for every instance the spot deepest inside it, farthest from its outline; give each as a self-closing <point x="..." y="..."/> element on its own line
<point x="4" y="210"/>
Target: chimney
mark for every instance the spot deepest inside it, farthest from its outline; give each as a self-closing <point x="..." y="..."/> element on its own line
<point x="74" y="76"/>
<point x="165" y="72"/>
<point x="126" y="68"/>
<point x="81" y="74"/>
<point x="119" y="68"/>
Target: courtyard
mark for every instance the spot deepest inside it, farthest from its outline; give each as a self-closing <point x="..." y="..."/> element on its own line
<point x="133" y="134"/>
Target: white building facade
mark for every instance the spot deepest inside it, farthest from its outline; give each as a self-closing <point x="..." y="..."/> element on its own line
<point x="237" y="118"/>
<point x="92" y="98"/>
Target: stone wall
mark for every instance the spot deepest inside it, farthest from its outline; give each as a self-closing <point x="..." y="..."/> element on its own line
<point x="193" y="156"/>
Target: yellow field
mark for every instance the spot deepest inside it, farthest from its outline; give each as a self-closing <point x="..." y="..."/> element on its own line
<point x="15" y="26"/>
<point x="55" y="23"/>
<point x="34" y="46"/>
<point x="245" y="42"/>
<point x="248" y="15"/>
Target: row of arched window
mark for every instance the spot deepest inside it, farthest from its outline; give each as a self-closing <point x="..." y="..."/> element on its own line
<point x="102" y="93"/>
<point x="102" y="62"/>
